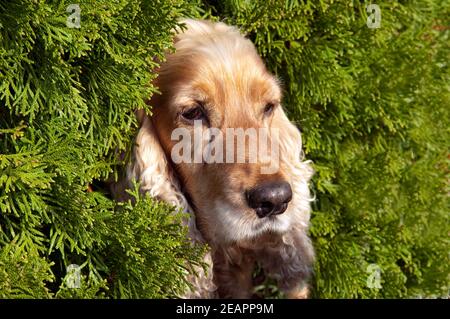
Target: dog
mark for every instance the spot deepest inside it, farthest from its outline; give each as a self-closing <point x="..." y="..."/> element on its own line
<point x="216" y="79"/>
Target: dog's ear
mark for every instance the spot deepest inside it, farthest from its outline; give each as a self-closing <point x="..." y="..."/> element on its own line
<point x="292" y="161"/>
<point x="290" y="142"/>
<point x="150" y="167"/>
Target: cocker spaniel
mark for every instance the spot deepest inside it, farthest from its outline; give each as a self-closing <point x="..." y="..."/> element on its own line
<point x="247" y="213"/>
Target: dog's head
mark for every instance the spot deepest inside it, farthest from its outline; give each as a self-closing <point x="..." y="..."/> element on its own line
<point x="219" y="136"/>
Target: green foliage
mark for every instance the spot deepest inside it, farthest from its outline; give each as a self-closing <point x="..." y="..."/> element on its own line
<point x="23" y="274"/>
<point x="67" y="101"/>
<point x="373" y="106"/>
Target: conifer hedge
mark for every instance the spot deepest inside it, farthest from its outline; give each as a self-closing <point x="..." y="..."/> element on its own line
<point x="372" y="104"/>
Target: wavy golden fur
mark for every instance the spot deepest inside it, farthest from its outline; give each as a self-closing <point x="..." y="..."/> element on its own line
<point x="216" y="66"/>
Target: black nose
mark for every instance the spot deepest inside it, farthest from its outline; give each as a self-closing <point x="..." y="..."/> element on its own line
<point x="270" y="198"/>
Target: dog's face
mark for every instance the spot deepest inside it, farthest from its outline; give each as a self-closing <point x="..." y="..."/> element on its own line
<point x="216" y="79"/>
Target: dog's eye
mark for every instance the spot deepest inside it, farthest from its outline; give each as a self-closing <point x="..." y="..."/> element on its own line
<point x="268" y="109"/>
<point x="195" y="113"/>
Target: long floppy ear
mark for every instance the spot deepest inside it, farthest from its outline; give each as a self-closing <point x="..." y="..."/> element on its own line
<point x="292" y="162"/>
<point x="150" y="167"/>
